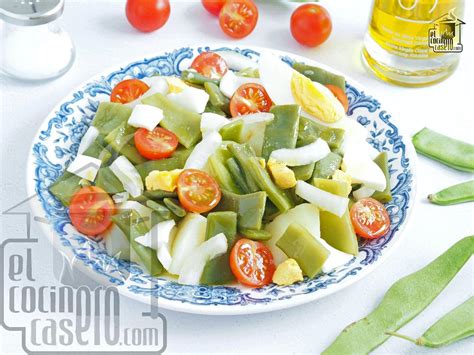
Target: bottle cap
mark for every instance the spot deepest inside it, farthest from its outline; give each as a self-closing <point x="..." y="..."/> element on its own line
<point x="30" y="12"/>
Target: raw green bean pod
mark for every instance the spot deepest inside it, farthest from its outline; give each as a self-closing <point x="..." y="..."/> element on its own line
<point x="463" y="192"/>
<point x="455" y="325"/>
<point x="403" y="301"/>
<point x="449" y="151"/>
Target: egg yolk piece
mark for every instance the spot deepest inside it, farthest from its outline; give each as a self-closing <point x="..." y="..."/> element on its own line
<point x="316" y="99"/>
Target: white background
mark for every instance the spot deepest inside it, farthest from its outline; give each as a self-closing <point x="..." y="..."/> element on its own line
<point x="104" y="38"/>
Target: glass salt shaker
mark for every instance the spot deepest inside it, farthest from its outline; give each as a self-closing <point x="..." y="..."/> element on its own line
<point x="33" y="45"/>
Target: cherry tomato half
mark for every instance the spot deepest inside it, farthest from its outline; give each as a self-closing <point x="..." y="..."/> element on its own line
<point x="370" y="218"/>
<point x="238" y="18"/>
<point x="311" y="25"/>
<point x="147" y="15"/>
<point x="340" y="95"/>
<point x="157" y="144"/>
<point x="213" y="6"/>
<point x="252" y="263"/>
<point x="250" y="98"/>
<point x="128" y="90"/>
<point x="197" y="191"/>
<point x="210" y="64"/>
<point x="91" y="210"/>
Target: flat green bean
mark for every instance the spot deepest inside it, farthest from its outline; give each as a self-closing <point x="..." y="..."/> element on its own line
<point x="455" y="325"/>
<point x="176" y="161"/>
<point x="463" y="192"/>
<point x="193" y="77"/>
<point x="310" y="130"/>
<point x="403" y="301"/>
<point x="110" y="115"/>
<point x="232" y="131"/>
<point x="448" y="151"/>
<point x="216" y="97"/>
<point x="386" y="195"/>
<point x="238" y="176"/>
<point x="174" y="206"/>
<point x="303" y="172"/>
<point x="326" y="167"/>
<point x="162" y="210"/>
<point x="320" y="75"/>
<point x="256" y="234"/>
<point x="220" y="172"/>
<point x="108" y="181"/>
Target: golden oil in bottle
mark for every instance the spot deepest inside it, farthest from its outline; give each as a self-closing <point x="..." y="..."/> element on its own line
<point x="414" y="42"/>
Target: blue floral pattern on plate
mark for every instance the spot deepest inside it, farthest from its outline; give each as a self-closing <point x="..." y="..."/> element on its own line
<point x="57" y="143"/>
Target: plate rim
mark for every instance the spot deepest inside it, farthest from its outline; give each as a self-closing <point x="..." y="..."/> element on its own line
<point x="181" y="306"/>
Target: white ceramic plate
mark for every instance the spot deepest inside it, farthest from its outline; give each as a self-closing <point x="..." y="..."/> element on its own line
<point x="56" y="144"/>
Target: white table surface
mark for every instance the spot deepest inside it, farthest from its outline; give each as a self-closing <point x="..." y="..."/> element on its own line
<point x="104" y="38"/>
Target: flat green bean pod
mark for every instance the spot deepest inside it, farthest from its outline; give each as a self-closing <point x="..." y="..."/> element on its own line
<point x="455" y="325"/>
<point x="403" y="301"/>
<point x="463" y="192"/>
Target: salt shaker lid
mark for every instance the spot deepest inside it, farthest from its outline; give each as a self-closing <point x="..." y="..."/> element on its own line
<point x="30" y="12"/>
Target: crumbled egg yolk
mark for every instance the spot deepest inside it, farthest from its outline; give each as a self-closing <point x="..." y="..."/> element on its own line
<point x="162" y="180"/>
<point x="283" y="176"/>
<point x="175" y="85"/>
<point x="316" y="99"/>
<point x="287" y="273"/>
<point x="340" y="175"/>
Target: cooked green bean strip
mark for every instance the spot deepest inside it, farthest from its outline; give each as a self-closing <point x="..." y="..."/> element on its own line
<point x="455" y="325"/>
<point x="176" y="161"/>
<point x="133" y="226"/>
<point x="97" y="150"/>
<point x="120" y="136"/>
<point x="220" y="172"/>
<point x="299" y="244"/>
<point x="193" y="77"/>
<point x="184" y="123"/>
<point x="282" y="132"/>
<point x="303" y="172"/>
<point x="256" y="234"/>
<point x="385" y="195"/>
<point x="131" y="153"/>
<point x="162" y="211"/>
<point x="174" y="206"/>
<point x="403" y="301"/>
<point x="237" y="175"/>
<point x="326" y="167"/>
<point x="251" y="166"/>
<point x="154" y="195"/>
<point x="212" y="109"/>
<point x="249" y="73"/>
<point x="232" y="131"/>
<point x="310" y="130"/>
<point x="216" y="97"/>
<point x="448" y="151"/>
<point x="242" y="154"/>
<point x="107" y="180"/>
<point x="320" y="75"/>
<point x="249" y="208"/>
<point x="217" y="271"/>
<point x="110" y="115"/>
<point x="463" y="192"/>
<point x="271" y="212"/>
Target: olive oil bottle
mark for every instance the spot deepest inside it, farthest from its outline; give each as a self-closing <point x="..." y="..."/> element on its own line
<point x="414" y="42"/>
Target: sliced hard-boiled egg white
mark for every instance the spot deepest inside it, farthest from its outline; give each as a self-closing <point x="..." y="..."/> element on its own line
<point x="212" y="122"/>
<point x="128" y="176"/>
<point x="193" y="99"/>
<point x="231" y="82"/>
<point x="192" y="269"/>
<point x="157" y="85"/>
<point x="236" y="61"/>
<point x="203" y="150"/>
<point x="304" y="155"/>
<point x="116" y="243"/>
<point x="285" y="86"/>
<point x="165" y="180"/>
<point x="85" y="167"/>
<point x="362" y="169"/>
<point x="258" y="117"/>
<point x="89" y="137"/>
<point x="145" y="116"/>
<point x="143" y="211"/>
<point x="120" y="197"/>
<point x="190" y="234"/>
<point x="325" y="200"/>
<point x="363" y="192"/>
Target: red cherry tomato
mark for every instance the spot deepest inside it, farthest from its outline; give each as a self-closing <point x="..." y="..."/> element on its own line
<point x="370" y="218"/>
<point x="252" y="263"/>
<point x="197" y="191"/>
<point x="213" y="6"/>
<point x="128" y="90"/>
<point x="340" y="95"/>
<point x="91" y="210"/>
<point x="238" y="18"/>
<point x="311" y="25"/>
<point x="210" y="64"/>
<point x="250" y="98"/>
<point x="157" y="144"/>
<point x="147" y="15"/>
